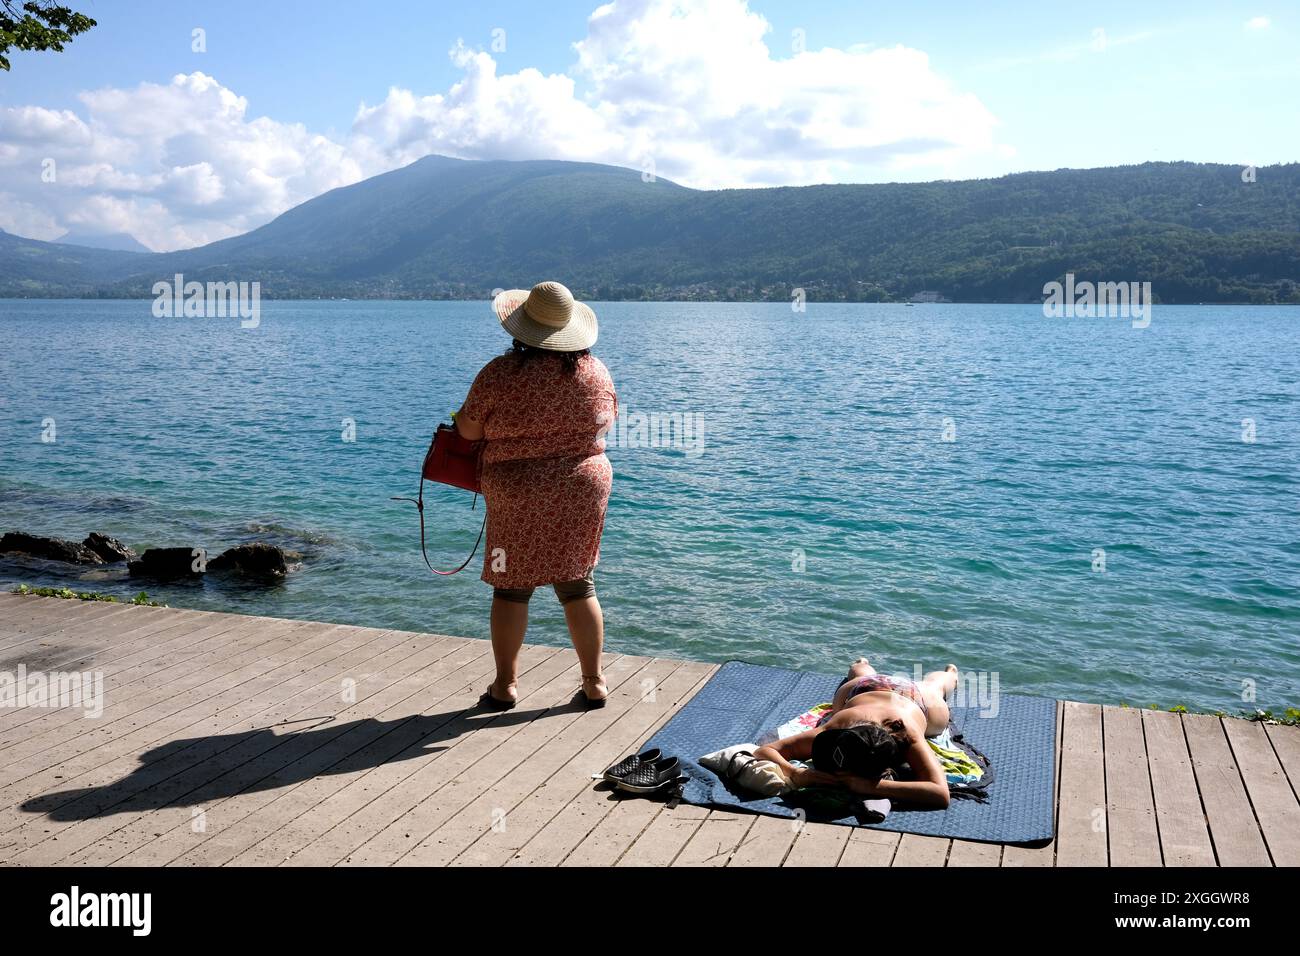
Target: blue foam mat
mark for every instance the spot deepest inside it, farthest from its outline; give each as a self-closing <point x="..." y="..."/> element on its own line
<point x="743" y="700"/>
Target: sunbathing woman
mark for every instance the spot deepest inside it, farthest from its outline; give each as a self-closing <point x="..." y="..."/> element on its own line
<point x="876" y="724"/>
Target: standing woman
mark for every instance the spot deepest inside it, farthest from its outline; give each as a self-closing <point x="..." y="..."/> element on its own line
<point x="543" y="407"/>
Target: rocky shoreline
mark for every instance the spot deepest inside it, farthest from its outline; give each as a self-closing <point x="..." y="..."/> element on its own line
<point x="254" y="560"/>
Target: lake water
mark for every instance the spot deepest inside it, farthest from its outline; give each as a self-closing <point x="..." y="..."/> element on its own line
<point x="824" y="516"/>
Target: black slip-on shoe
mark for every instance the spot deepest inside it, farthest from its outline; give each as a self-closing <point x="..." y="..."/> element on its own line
<point x="652" y="777"/>
<point x="628" y="764"/>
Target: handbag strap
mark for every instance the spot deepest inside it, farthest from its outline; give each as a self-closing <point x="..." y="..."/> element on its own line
<point x="419" y="505"/>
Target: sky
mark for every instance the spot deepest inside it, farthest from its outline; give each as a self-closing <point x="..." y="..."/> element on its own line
<point x="181" y="123"/>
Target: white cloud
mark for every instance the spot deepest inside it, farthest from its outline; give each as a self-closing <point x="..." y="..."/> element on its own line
<point x="524" y="115"/>
<point x="34" y="124"/>
<point x="700" y="88"/>
<point x="175" y="165"/>
<point x="693" y="87"/>
<point x="1258" y="23"/>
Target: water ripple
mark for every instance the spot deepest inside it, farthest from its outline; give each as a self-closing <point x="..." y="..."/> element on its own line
<point x="826" y="518"/>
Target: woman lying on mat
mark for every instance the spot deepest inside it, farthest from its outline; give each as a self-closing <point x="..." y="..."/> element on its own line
<point x="876" y="724"/>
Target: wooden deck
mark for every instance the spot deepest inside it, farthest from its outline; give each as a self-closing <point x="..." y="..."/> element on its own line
<point x="240" y="740"/>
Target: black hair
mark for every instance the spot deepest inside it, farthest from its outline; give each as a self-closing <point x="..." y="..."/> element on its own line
<point x="524" y="353"/>
<point x="866" y="750"/>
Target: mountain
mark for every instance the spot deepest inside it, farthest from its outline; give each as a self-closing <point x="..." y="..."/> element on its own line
<point x="30" y="267"/>
<point x="120" y="241"/>
<point x="447" y="228"/>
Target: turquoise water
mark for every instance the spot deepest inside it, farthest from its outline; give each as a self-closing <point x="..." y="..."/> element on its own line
<point x="823" y="438"/>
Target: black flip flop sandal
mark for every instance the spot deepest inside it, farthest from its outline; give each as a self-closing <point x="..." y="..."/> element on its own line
<point x="488" y="702"/>
<point x="593" y="703"/>
<point x="628" y="764"/>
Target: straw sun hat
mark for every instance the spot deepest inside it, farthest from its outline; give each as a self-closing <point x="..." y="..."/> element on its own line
<point x="546" y="317"/>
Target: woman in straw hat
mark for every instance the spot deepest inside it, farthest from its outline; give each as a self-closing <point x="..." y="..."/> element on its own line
<point x="544" y="408"/>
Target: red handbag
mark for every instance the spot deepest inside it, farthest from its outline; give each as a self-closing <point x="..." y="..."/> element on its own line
<point x="451" y="460"/>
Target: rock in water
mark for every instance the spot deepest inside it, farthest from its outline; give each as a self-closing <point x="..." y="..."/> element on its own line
<point x="52" y="549"/>
<point x="258" y="559"/>
<point x="110" y="549"/>
<point x="164" y="563"/>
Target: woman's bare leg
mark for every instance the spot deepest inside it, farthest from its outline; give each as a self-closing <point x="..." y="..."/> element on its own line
<point x="859" y="668"/>
<point x="587" y="630"/>
<point x="944" y="681"/>
<point x="935" y="688"/>
<point x="509" y="621"/>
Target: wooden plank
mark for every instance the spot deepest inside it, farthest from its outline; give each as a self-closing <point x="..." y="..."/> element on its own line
<point x="239" y="802"/>
<point x="23" y="611"/>
<point x="1016" y="855"/>
<point x="1286" y="744"/>
<point x="61" y="768"/>
<point x="970" y="853"/>
<point x="559" y="791"/>
<point x="498" y="810"/>
<point x="99" y="758"/>
<point x="150" y="645"/>
<point x="716" y="840"/>
<point x="767" y="843"/>
<point x="468" y="771"/>
<point x="871" y="848"/>
<point x="181" y="639"/>
<point x="1127" y="781"/>
<point x="517" y="787"/>
<point x="917" y="850"/>
<point x="485" y="791"/>
<point x="362" y="656"/>
<point x="818" y="844"/>
<point x="386" y="811"/>
<point x="558" y="816"/>
<point x="95" y="625"/>
<point x="78" y="646"/>
<point x="197" y="759"/>
<point x="36" y="655"/>
<point x="1233" y="828"/>
<point x="1130" y="806"/>
<point x="1081" y="822"/>
<point x="665" y="837"/>
<point x="619" y="819"/>
<point x="556" y="839"/>
<point x="83" y="808"/>
<point x="71" y="617"/>
<point x="106" y="639"/>
<point x="269" y="835"/>
<point x="41" y="616"/>
<point x="1184" y="836"/>
<point x="55" y="617"/>
<point x="1270" y="792"/>
<point x="628" y="818"/>
<point x="51" y="731"/>
<point x="303" y="779"/>
<point x="181" y="656"/>
<point x="261" y="662"/>
<point x="158" y="649"/>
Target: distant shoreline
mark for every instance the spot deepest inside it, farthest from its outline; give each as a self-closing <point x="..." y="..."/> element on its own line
<point x="446" y="230"/>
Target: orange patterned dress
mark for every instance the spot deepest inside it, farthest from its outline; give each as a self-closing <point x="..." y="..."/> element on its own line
<point x="545" y="479"/>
